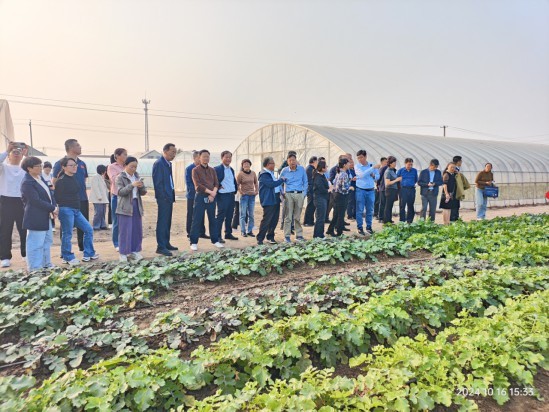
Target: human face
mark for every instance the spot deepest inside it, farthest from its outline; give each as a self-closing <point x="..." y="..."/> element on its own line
<point x="315" y="164"/>
<point x="227" y="159"/>
<point x="409" y="165"/>
<point x="246" y="166"/>
<point x="361" y="159"/>
<point x="121" y="158"/>
<point x="292" y="162"/>
<point x="205" y="158"/>
<point x="270" y="166"/>
<point x="75" y="149"/>
<point x="384" y="163"/>
<point x="196" y="159"/>
<point x="15" y="156"/>
<point x="433" y="167"/>
<point x="70" y="168"/>
<point x="169" y="154"/>
<point x="488" y="167"/>
<point x="130" y="168"/>
<point x="452" y="168"/>
<point x="393" y="165"/>
<point x="47" y="170"/>
<point x="35" y="171"/>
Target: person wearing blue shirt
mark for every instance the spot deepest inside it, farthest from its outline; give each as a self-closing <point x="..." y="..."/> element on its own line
<point x="430" y="180"/>
<point x="225" y="196"/>
<point x="191" y="193"/>
<point x="407" y="190"/>
<point x="295" y="191"/>
<point x="165" y="198"/>
<point x="366" y="176"/>
<point x="73" y="149"/>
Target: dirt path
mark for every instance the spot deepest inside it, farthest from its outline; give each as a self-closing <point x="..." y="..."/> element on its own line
<point x="103" y="244"/>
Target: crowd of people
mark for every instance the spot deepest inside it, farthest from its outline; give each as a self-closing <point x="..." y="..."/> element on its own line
<point x="33" y="195"/>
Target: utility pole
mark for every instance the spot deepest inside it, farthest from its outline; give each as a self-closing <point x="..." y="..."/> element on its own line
<point x="444" y="130"/>
<point x="146" y="102"/>
<point x="30" y="129"/>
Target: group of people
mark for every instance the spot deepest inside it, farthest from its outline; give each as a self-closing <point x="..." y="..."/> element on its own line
<point x="33" y="195"/>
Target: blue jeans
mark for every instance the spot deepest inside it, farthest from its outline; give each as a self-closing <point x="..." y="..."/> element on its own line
<point x="482" y="202"/>
<point x="247" y="205"/>
<point x="69" y="219"/>
<point x="114" y="203"/>
<point x="38" y="248"/>
<point x="364" y="199"/>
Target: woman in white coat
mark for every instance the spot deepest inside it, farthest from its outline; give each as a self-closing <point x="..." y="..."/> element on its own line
<point x="99" y="196"/>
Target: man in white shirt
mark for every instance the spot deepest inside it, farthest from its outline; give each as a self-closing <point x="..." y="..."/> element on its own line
<point x="11" y="205"/>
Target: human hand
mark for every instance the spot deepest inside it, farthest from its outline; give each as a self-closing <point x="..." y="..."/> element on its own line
<point x="211" y="198"/>
<point x="398" y="179"/>
<point x="378" y="166"/>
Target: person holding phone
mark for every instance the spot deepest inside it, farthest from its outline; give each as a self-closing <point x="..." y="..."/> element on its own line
<point x="448" y="199"/>
<point x="11" y="204"/>
<point x="130" y="211"/>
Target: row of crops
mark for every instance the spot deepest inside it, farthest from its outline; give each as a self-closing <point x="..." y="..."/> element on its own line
<point x="401" y="337"/>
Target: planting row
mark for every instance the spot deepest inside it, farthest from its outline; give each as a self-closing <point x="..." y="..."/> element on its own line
<point x="278" y="349"/>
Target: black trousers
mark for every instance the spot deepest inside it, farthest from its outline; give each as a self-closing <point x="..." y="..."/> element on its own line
<point x="109" y="211"/>
<point x="331" y="204"/>
<point x="11" y="211"/>
<point x="189" y="223"/>
<point x="268" y="222"/>
<point x="164" y="223"/>
<point x="382" y="201"/>
<point x="321" y="204"/>
<point x="338" y="220"/>
<point x="309" y="218"/>
<point x="407" y="200"/>
<point x="236" y="215"/>
<point x="225" y="211"/>
<point x="376" y="204"/>
<point x="454" y="213"/>
<point x="351" y="205"/>
<point x="391" y="197"/>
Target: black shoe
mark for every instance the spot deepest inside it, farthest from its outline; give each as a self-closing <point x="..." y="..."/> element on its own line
<point x="230" y="237"/>
<point x="361" y="232"/>
<point x="272" y="241"/>
<point x="370" y="230"/>
<point x="244" y="235"/>
<point x="259" y="243"/>
<point x="164" y="252"/>
<point x="221" y="240"/>
<point x="234" y="227"/>
<point x="330" y="233"/>
<point x="250" y="234"/>
<point x="188" y="235"/>
<point x="204" y="236"/>
<point x="346" y="230"/>
<point x="170" y="247"/>
<point x="293" y="233"/>
<point x="308" y="225"/>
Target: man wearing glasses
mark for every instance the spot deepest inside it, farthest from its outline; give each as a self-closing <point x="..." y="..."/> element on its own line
<point x="269" y="196"/>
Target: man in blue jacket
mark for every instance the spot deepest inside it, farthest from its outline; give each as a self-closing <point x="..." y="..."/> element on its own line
<point x="269" y="196"/>
<point x="191" y="193"/>
<point x="225" y="196"/>
<point x="164" y="193"/>
<point x="407" y="190"/>
<point x="429" y="181"/>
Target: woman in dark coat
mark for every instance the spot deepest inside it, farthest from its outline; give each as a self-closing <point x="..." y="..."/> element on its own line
<point x="40" y="209"/>
<point x="321" y="195"/>
<point x="448" y="199"/>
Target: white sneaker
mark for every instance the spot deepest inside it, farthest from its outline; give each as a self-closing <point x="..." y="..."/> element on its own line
<point x="74" y="262"/>
<point x="195" y="247"/>
<point x="88" y="258"/>
<point x="117" y="248"/>
<point x="219" y="245"/>
<point x="5" y="263"/>
<point x="137" y="256"/>
<point x="53" y="230"/>
<point x="123" y="258"/>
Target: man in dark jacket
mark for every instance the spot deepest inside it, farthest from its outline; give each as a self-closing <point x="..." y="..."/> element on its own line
<point x="429" y="181"/>
<point x="225" y="196"/>
<point x="269" y="196"/>
<point x="165" y="197"/>
<point x="309" y="219"/>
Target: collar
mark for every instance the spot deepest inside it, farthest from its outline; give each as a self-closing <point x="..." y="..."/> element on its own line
<point x="204" y="167"/>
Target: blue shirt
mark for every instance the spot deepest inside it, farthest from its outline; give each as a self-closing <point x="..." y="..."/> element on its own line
<point x="227" y="184"/>
<point x="366" y="175"/>
<point x="296" y="180"/>
<point x="191" y="191"/>
<point x="431" y="178"/>
<point x="409" y="177"/>
<point x="81" y="175"/>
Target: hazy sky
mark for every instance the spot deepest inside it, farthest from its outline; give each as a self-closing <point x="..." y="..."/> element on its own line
<point x="476" y="65"/>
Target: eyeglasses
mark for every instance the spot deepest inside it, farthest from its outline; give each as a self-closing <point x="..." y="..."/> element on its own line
<point x="71" y="165"/>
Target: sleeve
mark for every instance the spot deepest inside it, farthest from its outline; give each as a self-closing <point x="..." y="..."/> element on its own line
<point x="123" y="190"/>
<point x="445" y="178"/>
<point x="421" y="180"/>
<point x="196" y="181"/>
<point x="189" y="176"/>
<point x="399" y="172"/>
<point x="363" y="173"/>
<point x="33" y="198"/>
<point x="266" y="180"/>
<point x="333" y="173"/>
<point x="157" y="181"/>
<point x="97" y="189"/>
<point x="3" y="156"/>
<point x="217" y="183"/>
<point x="56" y="169"/>
<point x="305" y="182"/>
<point x="477" y="179"/>
<point x="256" y="183"/>
<point x="438" y="178"/>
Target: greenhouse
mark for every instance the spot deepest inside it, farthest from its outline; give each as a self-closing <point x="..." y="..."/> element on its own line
<point x="520" y="170"/>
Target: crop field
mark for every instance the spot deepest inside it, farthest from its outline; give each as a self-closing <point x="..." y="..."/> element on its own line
<point x="417" y="317"/>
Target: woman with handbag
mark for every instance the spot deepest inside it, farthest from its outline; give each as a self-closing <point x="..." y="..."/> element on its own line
<point x="448" y="199"/>
<point x="485" y="178"/>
